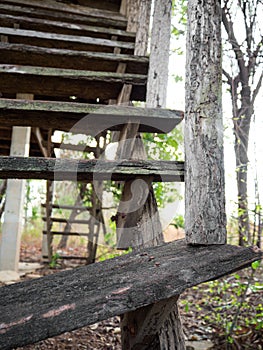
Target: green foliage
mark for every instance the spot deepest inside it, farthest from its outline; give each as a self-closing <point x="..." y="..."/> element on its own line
<point x="179" y="13"/>
<point x="54" y="261"/>
<point x="178" y="221"/>
<point x="230" y="304"/>
<point x="164" y="147"/>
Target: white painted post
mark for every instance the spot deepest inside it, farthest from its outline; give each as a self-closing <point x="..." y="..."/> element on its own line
<point x="13" y="216"/>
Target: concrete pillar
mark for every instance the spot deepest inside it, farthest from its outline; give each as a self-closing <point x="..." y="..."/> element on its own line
<point x="13" y="216"/>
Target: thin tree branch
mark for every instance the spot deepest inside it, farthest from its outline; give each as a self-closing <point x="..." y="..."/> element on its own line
<point x="256" y="90"/>
<point x="228" y="24"/>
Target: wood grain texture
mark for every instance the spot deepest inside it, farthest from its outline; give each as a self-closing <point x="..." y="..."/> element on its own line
<point x="59" y="27"/>
<point x="68" y="8"/>
<point x="69" y="82"/>
<point x="85" y="118"/>
<point x="23" y="54"/>
<point x="62" y="40"/>
<point x="89" y="170"/>
<point x="73" y="18"/>
<point x="42" y="308"/>
<point x="205" y="217"/>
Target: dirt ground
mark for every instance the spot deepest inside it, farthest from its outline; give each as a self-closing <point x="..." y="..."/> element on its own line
<point x="199" y="309"/>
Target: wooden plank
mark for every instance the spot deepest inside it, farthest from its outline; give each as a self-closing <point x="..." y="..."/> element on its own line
<point x="62" y="16"/>
<point x="68" y="9"/>
<point x="32" y="37"/>
<point x="69" y="207"/>
<point x="65" y="221"/>
<point x="67" y="233"/>
<point x="89" y="170"/>
<point x="48" y="306"/>
<point x="67" y="82"/>
<point x="59" y="27"/>
<point x="63" y="58"/>
<point x="47" y="114"/>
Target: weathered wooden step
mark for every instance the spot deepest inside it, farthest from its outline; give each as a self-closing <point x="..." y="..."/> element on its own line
<point x="67" y="207"/>
<point x="89" y="170"/>
<point x="67" y="233"/>
<point x="71" y="42"/>
<point x="62" y="58"/>
<point x="83" y="16"/>
<point x="45" y="25"/>
<point x="67" y="82"/>
<point x="67" y="221"/>
<point x="61" y="302"/>
<point x="68" y="8"/>
<point x="85" y="118"/>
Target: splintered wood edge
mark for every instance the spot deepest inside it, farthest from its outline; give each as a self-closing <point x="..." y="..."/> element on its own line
<point x="51" y="305"/>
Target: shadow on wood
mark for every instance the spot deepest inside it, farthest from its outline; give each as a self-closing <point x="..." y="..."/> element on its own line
<point x="42" y="308"/>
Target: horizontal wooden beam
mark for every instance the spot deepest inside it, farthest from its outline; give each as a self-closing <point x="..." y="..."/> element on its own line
<point x="65" y="221"/>
<point x="72" y="18"/>
<point x="89" y="170"/>
<point x="85" y="118"/>
<point x="79" y="60"/>
<point x="51" y="305"/>
<point x="68" y="9"/>
<point x="67" y="233"/>
<point x="69" y="82"/>
<point x="59" y="40"/>
<point x="58" y="27"/>
<point x="68" y="207"/>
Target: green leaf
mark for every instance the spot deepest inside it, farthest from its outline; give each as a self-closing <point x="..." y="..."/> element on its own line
<point x="255" y="264"/>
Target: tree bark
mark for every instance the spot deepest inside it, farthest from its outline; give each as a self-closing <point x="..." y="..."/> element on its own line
<point x="205" y="218"/>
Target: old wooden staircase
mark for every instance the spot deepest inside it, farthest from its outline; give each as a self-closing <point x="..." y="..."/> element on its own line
<point x="77" y="66"/>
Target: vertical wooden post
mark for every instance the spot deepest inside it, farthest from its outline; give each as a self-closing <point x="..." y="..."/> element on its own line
<point x="47" y="249"/>
<point x="13" y="217"/>
<point x="205" y="219"/>
<point x="157" y="326"/>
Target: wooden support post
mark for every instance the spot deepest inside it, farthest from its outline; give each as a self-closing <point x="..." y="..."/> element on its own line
<point x="47" y="251"/>
<point x="157" y="326"/>
<point x="13" y="217"/>
<point x="205" y="218"/>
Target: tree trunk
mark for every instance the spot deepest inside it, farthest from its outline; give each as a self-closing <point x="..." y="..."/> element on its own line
<point x="205" y="218"/>
<point x="242" y="119"/>
<point x="247" y="56"/>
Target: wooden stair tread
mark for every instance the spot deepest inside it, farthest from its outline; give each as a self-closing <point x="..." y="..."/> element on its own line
<point x="45" y="25"/>
<point x="58" y="82"/>
<point x="67" y="207"/>
<point x="70" y="59"/>
<point x="63" y="220"/>
<point x="68" y="8"/>
<point x="89" y="170"/>
<point x="73" y="18"/>
<point x="48" y="306"/>
<point x="67" y="233"/>
<point x="27" y="37"/>
<point x="49" y="114"/>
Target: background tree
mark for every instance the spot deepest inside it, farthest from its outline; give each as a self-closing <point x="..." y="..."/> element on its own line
<point x="244" y="47"/>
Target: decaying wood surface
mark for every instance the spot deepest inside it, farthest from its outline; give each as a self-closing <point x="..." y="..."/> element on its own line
<point x="68" y="9"/>
<point x="62" y="58"/>
<point x="63" y="41"/>
<point x="44" y="81"/>
<point x="45" y="25"/>
<point x="38" y="309"/>
<point x="73" y="18"/>
<point x="89" y="170"/>
<point x="205" y="218"/>
<point x="92" y="118"/>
